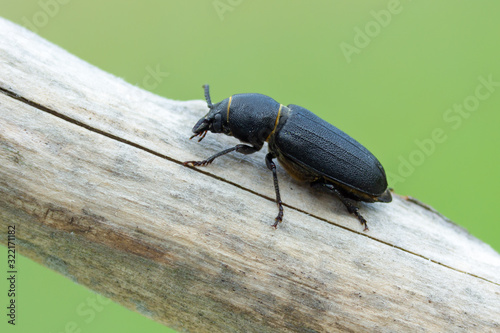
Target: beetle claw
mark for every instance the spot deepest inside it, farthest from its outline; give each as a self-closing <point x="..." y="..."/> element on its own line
<point x="192" y="163"/>
<point x="278" y="218"/>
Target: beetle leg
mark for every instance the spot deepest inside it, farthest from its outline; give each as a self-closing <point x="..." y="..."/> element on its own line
<point x="350" y="207"/>
<point x="271" y="166"/>
<point x="244" y="149"/>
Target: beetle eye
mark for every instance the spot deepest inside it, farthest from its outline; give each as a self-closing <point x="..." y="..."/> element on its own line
<point x="217" y="124"/>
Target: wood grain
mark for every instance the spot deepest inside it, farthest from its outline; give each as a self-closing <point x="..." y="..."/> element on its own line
<point x="92" y="174"/>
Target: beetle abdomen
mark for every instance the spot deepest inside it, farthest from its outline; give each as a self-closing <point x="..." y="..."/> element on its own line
<point x="316" y="144"/>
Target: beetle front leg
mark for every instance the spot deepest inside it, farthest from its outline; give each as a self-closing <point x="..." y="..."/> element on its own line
<point x="271" y="166"/>
<point x="243" y="149"/>
<point x="350" y="207"/>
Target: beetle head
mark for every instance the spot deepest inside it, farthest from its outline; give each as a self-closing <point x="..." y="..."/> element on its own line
<point x="214" y="121"/>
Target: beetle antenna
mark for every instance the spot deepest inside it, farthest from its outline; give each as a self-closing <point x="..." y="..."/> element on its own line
<point x="207" y="96"/>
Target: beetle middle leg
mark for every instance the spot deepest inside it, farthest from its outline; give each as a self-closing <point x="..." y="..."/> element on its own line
<point x="271" y="166"/>
<point x="243" y="149"/>
<point x="352" y="209"/>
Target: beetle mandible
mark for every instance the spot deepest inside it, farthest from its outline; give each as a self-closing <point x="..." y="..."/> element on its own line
<point x="309" y="148"/>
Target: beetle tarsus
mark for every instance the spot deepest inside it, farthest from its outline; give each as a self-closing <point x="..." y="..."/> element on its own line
<point x="360" y="218"/>
<point x="198" y="163"/>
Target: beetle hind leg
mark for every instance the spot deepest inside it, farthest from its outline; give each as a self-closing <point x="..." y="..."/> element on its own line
<point x="351" y="208"/>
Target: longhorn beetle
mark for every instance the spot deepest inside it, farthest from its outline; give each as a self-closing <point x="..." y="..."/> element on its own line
<point x="309" y="148"/>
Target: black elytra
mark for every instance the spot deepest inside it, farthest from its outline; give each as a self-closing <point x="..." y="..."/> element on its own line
<point x="309" y="148"/>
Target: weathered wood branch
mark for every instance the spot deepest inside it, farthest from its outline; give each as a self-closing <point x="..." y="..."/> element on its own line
<point x="91" y="173"/>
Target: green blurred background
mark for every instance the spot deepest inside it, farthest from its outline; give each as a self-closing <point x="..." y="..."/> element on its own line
<point x="389" y="73"/>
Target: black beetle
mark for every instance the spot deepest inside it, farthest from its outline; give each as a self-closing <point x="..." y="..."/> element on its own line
<point x="309" y="148"/>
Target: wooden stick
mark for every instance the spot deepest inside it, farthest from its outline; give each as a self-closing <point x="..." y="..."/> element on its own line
<point x="92" y="176"/>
